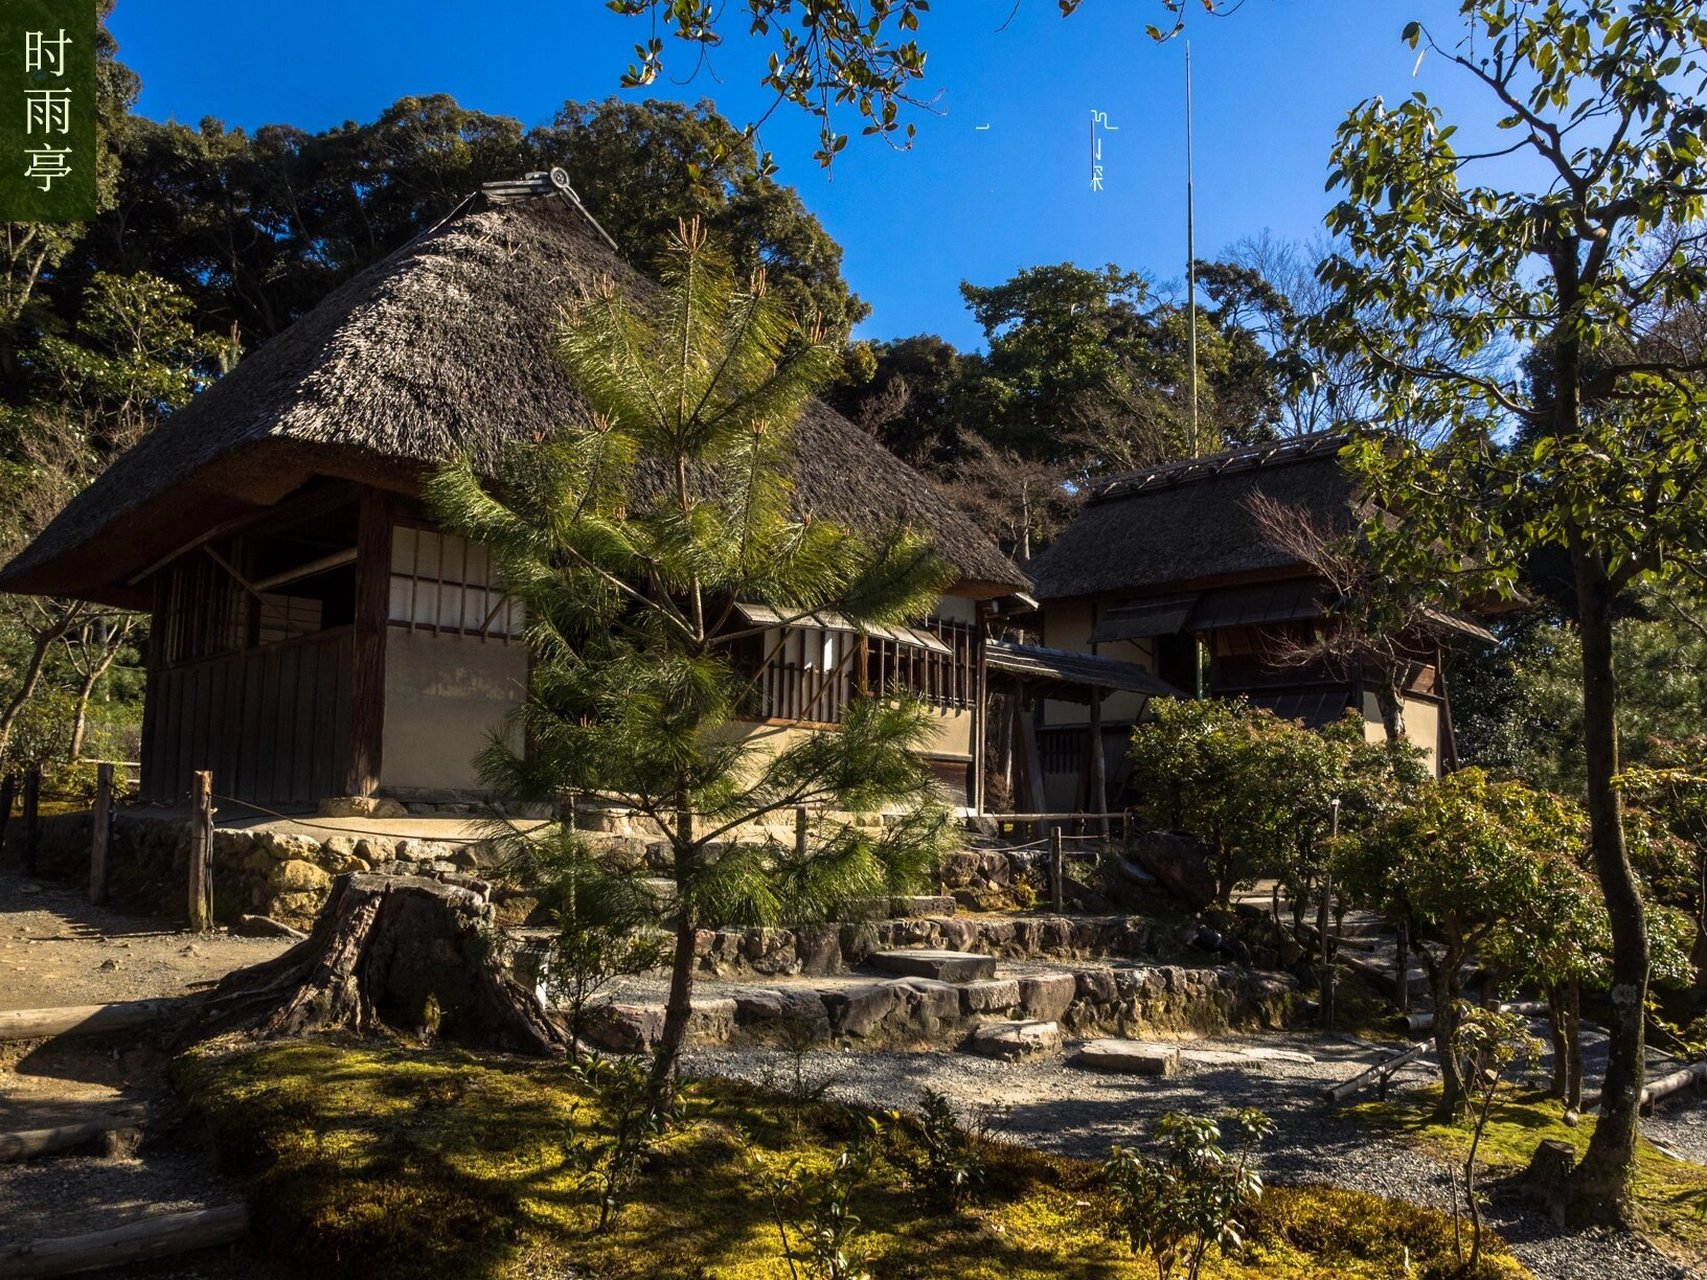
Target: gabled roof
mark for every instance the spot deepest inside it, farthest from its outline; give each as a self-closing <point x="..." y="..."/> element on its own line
<point x="444" y="347"/>
<point x="1188" y="524"/>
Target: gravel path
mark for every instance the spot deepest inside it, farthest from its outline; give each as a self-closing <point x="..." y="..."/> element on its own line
<point x="1063" y="1109"/>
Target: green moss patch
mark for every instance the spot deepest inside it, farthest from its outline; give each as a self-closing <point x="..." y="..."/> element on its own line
<point x="1671" y="1194"/>
<point x="382" y="1161"/>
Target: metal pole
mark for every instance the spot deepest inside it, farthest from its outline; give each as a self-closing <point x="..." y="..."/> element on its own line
<point x="1322" y="928"/>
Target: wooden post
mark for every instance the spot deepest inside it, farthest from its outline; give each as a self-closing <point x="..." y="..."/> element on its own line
<point x="100" y="831"/>
<point x="32" y="815"/>
<point x="201" y="853"/>
<point x="373" y="608"/>
<point x="800" y="832"/>
<point x="1099" y="769"/>
<point x="9" y="789"/>
<point x="1322" y="930"/>
<point x="1057" y="869"/>
<point x="980" y="716"/>
<point x="1402" y="975"/>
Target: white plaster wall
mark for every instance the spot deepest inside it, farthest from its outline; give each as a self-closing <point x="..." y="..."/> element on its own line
<point x="444" y="697"/>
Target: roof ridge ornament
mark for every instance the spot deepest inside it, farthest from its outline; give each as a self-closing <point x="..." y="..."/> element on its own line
<point x="540" y="183"/>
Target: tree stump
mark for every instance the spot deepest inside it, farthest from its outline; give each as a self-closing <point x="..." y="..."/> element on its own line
<point x="1549" y="1170"/>
<point x="387" y="951"/>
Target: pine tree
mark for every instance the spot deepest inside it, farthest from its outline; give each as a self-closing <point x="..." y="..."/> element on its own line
<point x="631" y="539"/>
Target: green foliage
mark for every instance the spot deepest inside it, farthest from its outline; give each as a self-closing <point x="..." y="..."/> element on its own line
<point x="1259" y="790"/>
<point x="812" y="1208"/>
<point x="631" y="1121"/>
<point x="1178" y="1202"/>
<point x="1488" y="1044"/>
<point x="946" y="1154"/>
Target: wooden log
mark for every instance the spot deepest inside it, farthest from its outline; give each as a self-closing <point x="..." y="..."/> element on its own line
<point x="200" y="878"/>
<point x="32" y="818"/>
<point x="1370" y="1075"/>
<point x="160" y="1236"/>
<point x="100" y="833"/>
<point x="26" y="1144"/>
<point x="1057" y="870"/>
<point x="82" y="1019"/>
<point x="1665" y="1086"/>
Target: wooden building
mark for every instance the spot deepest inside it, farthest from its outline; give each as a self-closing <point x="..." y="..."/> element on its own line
<point x="1167" y="569"/>
<point x="315" y="635"/>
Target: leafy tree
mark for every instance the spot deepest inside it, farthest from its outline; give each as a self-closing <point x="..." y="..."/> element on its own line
<point x="1490" y="1044"/>
<point x="1469" y="864"/>
<point x="909" y="399"/>
<point x="1605" y="103"/>
<point x="631" y="539"/>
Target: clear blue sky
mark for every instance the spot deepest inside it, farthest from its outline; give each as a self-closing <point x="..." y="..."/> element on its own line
<point x="1272" y="82"/>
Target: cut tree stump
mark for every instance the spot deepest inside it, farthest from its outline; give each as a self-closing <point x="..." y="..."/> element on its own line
<point x="410" y="954"/>
<point x="1549" y="1170"/>
<point x="158" y="1237"/>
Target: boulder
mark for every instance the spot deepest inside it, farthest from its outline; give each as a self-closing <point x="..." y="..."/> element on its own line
<point x="1096" y="984"/>
<point x="625" y="1028"/>
<point x="288" y="847"/>
<point x="858" y="1010"/>
<point x="785" y="1011"/>
<point x="922" y="1005"/>
<point x="1045" y="997"/>
<point x="991" y="995"/>
<point x="361" y="807"/>
<point x="1129" y="1057"/>
<point x="298" y="876"/>
<point x="1011" y="1041"/>
<point x="1180" y="862"/>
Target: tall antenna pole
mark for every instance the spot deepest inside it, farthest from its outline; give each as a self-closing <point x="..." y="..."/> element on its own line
<point x="1190" y="262"/>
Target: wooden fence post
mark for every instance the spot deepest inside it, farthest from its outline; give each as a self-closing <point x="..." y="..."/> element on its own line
<point x="100" y="831"/>
<point x="1057" y="868"/>
<point x="32" y="815"/>
<point x="201" y="853"/>
<point x="8" y="792"/>
<point x="1322" y="934"/>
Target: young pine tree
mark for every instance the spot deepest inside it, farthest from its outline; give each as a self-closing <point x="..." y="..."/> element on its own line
<point x="631" y="539"/>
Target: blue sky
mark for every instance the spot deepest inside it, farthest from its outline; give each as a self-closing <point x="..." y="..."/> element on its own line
<point x="1272" y="82"/>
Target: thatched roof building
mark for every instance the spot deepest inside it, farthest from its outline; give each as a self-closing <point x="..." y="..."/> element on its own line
<point x="314" y="634"/>
<point x="442" y="348"/>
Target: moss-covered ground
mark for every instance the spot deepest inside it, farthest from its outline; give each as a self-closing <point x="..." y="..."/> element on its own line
<point x="382" y="1161"/>
<point x="1671" y="1194"/>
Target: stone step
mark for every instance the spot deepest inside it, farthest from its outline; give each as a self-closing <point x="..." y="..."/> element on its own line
<point x="942" y="966"/>
<point x="1129" y="1057"/>
<point x="1013" y="1041"/>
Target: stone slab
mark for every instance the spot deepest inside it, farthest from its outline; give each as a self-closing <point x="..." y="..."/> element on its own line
<point x="1047" y="996"/>
<point x="1129" y="1057"/>
<point x="1011" y="1041"/>
<point x="943" y="966"/>
<point x="991" y="995"/>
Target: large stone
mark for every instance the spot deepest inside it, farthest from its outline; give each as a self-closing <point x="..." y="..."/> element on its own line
<point x="298" y="876"/>
<point x="925" y="905"/>
<point x="1130" y="1057"/>
<point x="625" y="1028"/>
<point x="788" y="1012"/>
<point x="361" y="807"/>
<point x="712" y="1021"/>
<point x="1096" y="984"/>
<point x="288" y="847"/>
<point x="1180" y="862"/>
<point x="858" y="1011"/>
<point x="924" y="1003"/>
<point x="992" y="995"/>
<point x="1047" y="996"/>
<point x="943" y="966"/>
<point x="1012" y="1041"/>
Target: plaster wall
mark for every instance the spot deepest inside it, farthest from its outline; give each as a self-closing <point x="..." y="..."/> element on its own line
<point x="444" y="697"/>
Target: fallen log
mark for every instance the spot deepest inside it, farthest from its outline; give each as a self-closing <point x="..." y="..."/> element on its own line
<point x="1667" y="1085"/>
<point x="1527" y="1008"/>
<point x="26" y="1144"/>
<point x="83" y="1019"/>
<point x="157" y="1237"/>
<point x="1379" y="1072"/>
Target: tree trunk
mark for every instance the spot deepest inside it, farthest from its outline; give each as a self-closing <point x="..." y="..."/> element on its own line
<point x="412" y="955"/>
<point x="1560" y="1086"/>
<point x="43" y="641"/>
<point x="679" y="1007"/>
<point x="1443" y="980"/>
<point x="1391" y="703"/>
<point x="1600" y="1186"/>
<point x="1574" y="1043"/>
<point x="80" y="719"/>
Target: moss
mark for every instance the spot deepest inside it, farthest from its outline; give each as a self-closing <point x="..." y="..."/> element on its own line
<point x="1671" y="1194"/>
<point x="392" y="1161"/>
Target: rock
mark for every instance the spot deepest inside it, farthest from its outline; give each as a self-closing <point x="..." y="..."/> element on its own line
<point x="248" y="926"/>
<point x="1045" y="997"/>
<point x="338" y="863"/>
<point x="786" y="1012"/>
<point x="1011" y="1041"/>
<point x="925" y="1002"/>
<point x="298" y="876"/>
<point x="300" y="908"/>
<point x="711" y="1021"/>
<point x="479" y="856"/>
<point x="625" y="1028"/>
<point x="512" y="909"/>
<point x="286" y="847"/>
<point x="819" y="950"/>
<point x="1131" y="1057"/>
<point x="361" y="807"/>
<point x="922" y="905"/>
<point x="942" y="966"/>
<point x="1180" y="862"/>
<point x="991" y="995"/>
<point x="858" y="1010"/>
<point x="1096" y="984"/>
<point x="374" y="852"/>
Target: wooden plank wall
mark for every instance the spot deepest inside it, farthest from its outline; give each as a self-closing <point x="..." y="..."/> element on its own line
<point x="273" y="724"/>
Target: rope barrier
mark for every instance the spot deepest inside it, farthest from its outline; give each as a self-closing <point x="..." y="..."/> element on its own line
<point x="363" y="831"/>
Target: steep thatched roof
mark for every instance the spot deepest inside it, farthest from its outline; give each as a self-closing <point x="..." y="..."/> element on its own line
<point x="1188" y="524"/>
<point x="442" y="348"/>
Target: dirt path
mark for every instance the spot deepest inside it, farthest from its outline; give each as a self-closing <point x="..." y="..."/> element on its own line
<point x="56" y="949"/>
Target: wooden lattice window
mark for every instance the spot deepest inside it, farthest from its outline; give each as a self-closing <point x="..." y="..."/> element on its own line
<point x="443" y="583"/>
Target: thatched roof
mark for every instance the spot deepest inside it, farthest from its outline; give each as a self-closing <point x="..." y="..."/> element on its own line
<point x="440" y="349"/>
<point x="1188" y="524"/>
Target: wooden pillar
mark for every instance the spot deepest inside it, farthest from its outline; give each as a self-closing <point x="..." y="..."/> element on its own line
<point x="1099" y="767"/>
<point x="980" y="714"/>
<point x="100" y="830"/>
<point x="32" y="816"/>
<point x="1057" y="869"/>
<point x="199" y="881"/>
<point x="373" y="609"/>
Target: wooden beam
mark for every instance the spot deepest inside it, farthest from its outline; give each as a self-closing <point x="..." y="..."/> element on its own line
<point x="82" y="1019"/>
<point x="157" y="1236"/>
<point x="287" y="512"/>
<point x="337" y="560"/>
<point x="26" y="1144"/>
<point x="1099" y="768"/>
<point x="373" y="608"/>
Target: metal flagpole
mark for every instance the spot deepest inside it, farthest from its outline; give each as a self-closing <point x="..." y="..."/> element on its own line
<point x="1190" y="262"/>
